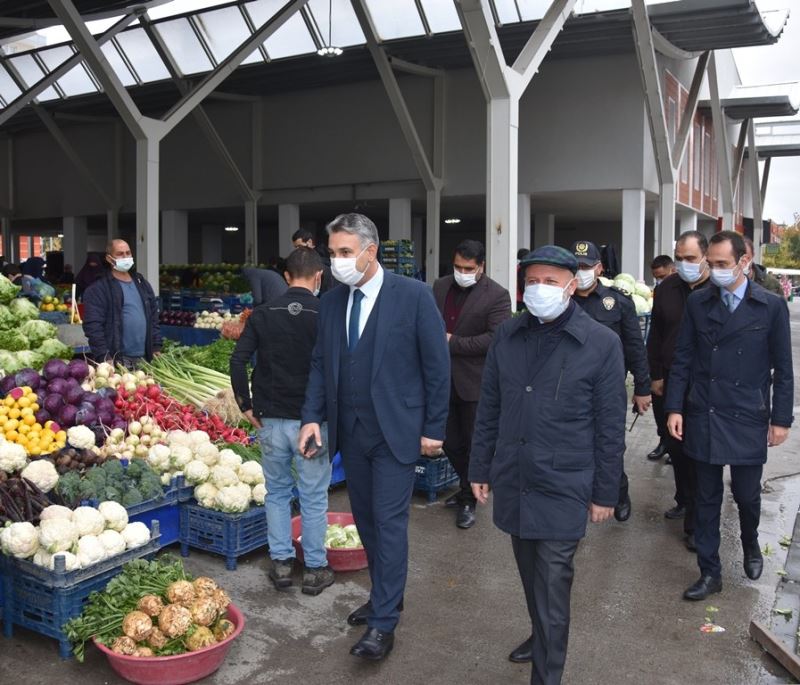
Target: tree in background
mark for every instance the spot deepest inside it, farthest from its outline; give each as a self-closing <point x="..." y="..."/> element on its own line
<point x="788" y="255"/>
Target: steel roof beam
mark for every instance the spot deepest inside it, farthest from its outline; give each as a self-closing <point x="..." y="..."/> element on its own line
<point x="755" y="192"/>
<point x="721" y="145"/>
<point x="687" y="117"/>
<point x="738" y="160"/>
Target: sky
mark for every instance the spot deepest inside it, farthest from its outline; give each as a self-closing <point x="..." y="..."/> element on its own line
<point x="777" y="64"/>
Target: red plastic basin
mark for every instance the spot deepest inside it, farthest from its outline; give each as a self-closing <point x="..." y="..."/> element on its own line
<point x="178" y="669"/>
<point x="338" y="559"/>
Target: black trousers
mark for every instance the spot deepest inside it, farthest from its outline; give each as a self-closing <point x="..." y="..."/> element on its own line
<point x="746" y="488"/>
<point x="685" y="477"/>
<point x="545" y="567"/>
<point x="660" y="417"/>
<point x="458" y="441"/>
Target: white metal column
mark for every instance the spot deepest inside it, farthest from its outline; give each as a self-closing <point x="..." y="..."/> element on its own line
<point x="400" y="218"/>
<point x="633" y="232"/>
<point x="688" y="221"/>
<point x="433" y="234"/>
<point x="288" y="223"/>
<point x="720" y="123"/>
<point x="755" y="192"/>
<point x="75" y="240"/>
<point x="666" y="219"/>
<point x="147" y="219"/>
<point x="544" y="229"/>
<point x="175" y="236"/>
<point x="524" y="234"/>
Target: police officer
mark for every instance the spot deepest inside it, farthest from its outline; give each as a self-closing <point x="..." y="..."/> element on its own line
<point x="614" y="309"/>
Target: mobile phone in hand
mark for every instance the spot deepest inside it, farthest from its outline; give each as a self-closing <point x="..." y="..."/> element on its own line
<point x="309" y="444"/>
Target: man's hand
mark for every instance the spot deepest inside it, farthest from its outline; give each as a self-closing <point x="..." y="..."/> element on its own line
<point x="657" y="387"/>
<point x="309" y="434"/>
<point x="449" y="335"/>
<point x="430" y="448"/>
<point x="776" y="435"/>
<point x="599" y="514"/>
<point x="642" y="403"/>
<point x="254" y="422"/>
<point x="675" y="426"/>
<point x="481" y="492"/>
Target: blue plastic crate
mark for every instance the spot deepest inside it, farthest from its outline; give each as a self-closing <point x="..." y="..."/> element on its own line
<point x="230" y="535"/>
<point x="337" y="470"/>
<point x="165" y="511"/>
<point x="434" y="475"/>
<point x="43" y="601"/>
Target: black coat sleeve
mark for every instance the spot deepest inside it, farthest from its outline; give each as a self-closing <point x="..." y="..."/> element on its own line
<point x="680" y="372"/>
<point x="246" y="346"/>
<point x="95" y="313"/>
<point x="655" y="339"/>
<point x="780" y="357"/>
<point x="155" y="323"/>
<point x="634" y="349"/>
<point x="478" y="345"/>
<point x="487" y="421"/>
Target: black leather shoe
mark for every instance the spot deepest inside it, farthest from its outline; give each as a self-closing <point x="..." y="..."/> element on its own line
<point x="668" y="460"/>
<point x="688" y="540"/>
<point x="360" y="616"/>
<point x="374" y="645"/>
<point x="658" y="452"/>
<point x="677" y="512"/>
<point x="452" y="501"/>
<point x="524" y="653"/>
<point x="466" y="516"/>
<point x="753" y="563"/>
<point x="622" y="512"/>
<point x="707" y="585"/>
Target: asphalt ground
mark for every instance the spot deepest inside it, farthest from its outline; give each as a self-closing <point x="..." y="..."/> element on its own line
<point x="464" y="607"/>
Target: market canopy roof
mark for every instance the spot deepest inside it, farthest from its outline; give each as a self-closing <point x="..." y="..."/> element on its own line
<point x="778" y="138"/>
<point x="425" y="32"/>
<point x="750" y="102"/>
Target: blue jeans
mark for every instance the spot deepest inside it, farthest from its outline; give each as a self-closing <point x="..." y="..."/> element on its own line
<point x="278" y="438"/>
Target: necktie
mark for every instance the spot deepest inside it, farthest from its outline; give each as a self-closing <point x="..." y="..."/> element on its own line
<point x="730" y="300"/>
<point x="355" y="318"/>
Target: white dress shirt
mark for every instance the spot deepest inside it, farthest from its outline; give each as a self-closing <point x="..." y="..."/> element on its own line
<point x="371" y="290"/>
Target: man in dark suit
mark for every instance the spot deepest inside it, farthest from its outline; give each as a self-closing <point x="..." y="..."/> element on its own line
<point x="380" y="376"/>
<point x="473" y="306"/>
<point x="734" y="345"/>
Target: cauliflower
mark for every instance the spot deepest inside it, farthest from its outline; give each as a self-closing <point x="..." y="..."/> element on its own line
<point x="136" y="535"/>
<point x="20" y="540"/>
<point x="230" y="459"/>
<point x="90" y="550"/>
<point x="179" y="438"/>
<point x="115" y="515"/>
<point x="180" y="456"/>
<point x="41" y="473"/>
<point x="55" y="511"/>
<point x="205" y="495"/>
<point x="207" y="453"/>
<point x="159" y="458"/>
<point x="197" y="438"/>
<point x="259" y="494"/>
<point x="71" y="562"/>
<point x="57" y="535"/>
<point x="232" y="499"/>
<point x="88" y="521"/>
<point x="166" y="479"/>
<point x="12" y="457"/>
<point x="251" y="473"/>
<point x="196" y="472"/>
<point x="42" y="558"/>
<point x="222" y="476"/>
<point x="81" y="437"/>
<point x="112" y="541"/>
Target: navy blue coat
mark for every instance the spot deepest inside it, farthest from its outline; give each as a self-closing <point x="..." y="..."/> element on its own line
<point x="102" y="317"/>
<point x="410" y="370"/>
<point x="551" y="444"/>
<point x="721" y="375"/>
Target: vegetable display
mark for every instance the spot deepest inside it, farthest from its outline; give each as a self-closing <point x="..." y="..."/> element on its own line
<point x="26" y="427"/>
<point x="21" y="500"/>
<point x="215" y="356"/>
<point x="212" y="320"/>
<point x="153" y="609"/>
<point x="125" y="483"/>
<point x="187" y="319"/>
<point x="25" y="341"/>
<point x="342" y="537"/>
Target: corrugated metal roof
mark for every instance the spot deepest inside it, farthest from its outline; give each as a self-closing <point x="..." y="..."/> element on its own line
<point x="764" y="101"/>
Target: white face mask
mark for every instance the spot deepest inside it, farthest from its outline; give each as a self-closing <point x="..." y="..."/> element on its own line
<point x="724" y="278"/>
<point x="690" y="272"/>
<point x="465" y="280"/>
<point x="123" y="264"/>
<point x="546" y="302"/>
<point x="345" y="271"/>
<point x="586" y="278"/>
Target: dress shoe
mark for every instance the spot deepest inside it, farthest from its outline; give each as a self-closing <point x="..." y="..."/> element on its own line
<point x="677" y="512"/>
<point x="707" y="585"/>
<point x="452" y="501"/>
<point x="360" y="616"/>
<point x="466" y="516"/>
<point x="622" y="512"/>
<point x="374" y="645"/>
<point x="524" y="653"/>
<point x="753" y="563"/>
<point x="668" y="460"/>
<point x="658" y="452"/>
<point x="688" y="540"/>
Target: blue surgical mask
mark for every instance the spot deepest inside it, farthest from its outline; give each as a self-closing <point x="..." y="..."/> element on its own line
<point x="546" y="302"/>
<point x="724" y="278"/>
<point x="689" y="272"/>
<point x="123" y="264"/>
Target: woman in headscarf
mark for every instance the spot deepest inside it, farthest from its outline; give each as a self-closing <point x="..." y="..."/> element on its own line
<point x="90" y="272"/>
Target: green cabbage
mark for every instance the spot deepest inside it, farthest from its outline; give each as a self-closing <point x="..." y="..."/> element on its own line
<point x="11" y="362"/>
<point x="342" y="537"/>
<point x="37" y="331"/>
<point x="8" y="362"/>
<point x="55" y="349"/>
<point x="626" y="283"/>
<point x="24" y="309"/>
<point x="643" y="291"/>
<point x="8" y="291"/>
<point x="7" y="319"/>
<point x="13" y="341"/>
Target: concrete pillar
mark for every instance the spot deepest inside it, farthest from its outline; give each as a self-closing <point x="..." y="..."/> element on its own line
<point x="147" y="219"/>
<point x="212" y="243"/>
<point x="5" y="231"/>
<point x="418" y="238"/>
<point x="175" y="236"/>
<point x="657" y="234"/>
<point x="666" y="205"/>
<point x="523" y="221"/>
<point x="687" y="221"/>
<point x="501" y="193"/>
<point x="112" y="224"/>
<point x="433" y="234"/>
<point x="250" y="232"/>
<point x="288" y="223"/>
<point x="400" y="218"/>
<point x="74" y="241"/>
<point x="633" y="233"/>
<point x="544" y="230"/>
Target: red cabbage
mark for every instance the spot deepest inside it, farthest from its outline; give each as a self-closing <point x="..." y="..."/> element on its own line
<point x="42" y="416"/>
<point x="7" y="384"/>
<point x="27" y="377"/>
<point x="74" y="395"/>
<point x="90" y="398"/>
<point x="66" y="416"/>
<point x="104" y="405"/>
<point x="53" y="403"/>
<point x="55" y="368"/>
<point x="119" y="422"/>
<point x="72" y="383"/>
<point x="58" y="386"/>
<point x="86" y="415"/>
<point x="78" y="369"/>
<point x="110" y="393"/>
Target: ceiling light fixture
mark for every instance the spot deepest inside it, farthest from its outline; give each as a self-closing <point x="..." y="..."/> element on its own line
<point x="452" y="221"/>
<point x="329" y="50"/>
<point x="60" y="235"/>
<point x="231" y="229"/>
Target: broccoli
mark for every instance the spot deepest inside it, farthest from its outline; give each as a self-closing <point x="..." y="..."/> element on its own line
<point x="132" y="497"/>
<point x="151" y="487"/>
<point x="87" y="489"/>
<point x="112" y="494"/>
<point x="113" y="470"/>
<point x="135" y="468"/>
<point x="96" y="476"/>
<point x="68" y="487"/>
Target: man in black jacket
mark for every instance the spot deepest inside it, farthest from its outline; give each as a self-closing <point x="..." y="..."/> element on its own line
<point x="668" y="306"/>
<point x="302" y="237"/>
<point x="120" y="316"/>
<point x="282" y="334"/>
